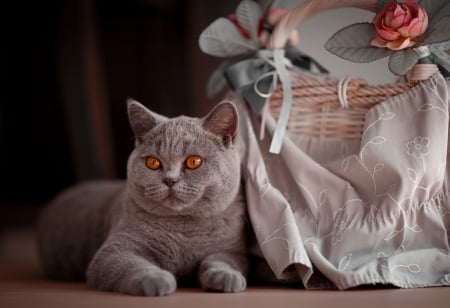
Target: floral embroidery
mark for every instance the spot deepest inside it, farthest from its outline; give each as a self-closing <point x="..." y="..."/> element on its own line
<point x="418" y="147"/>
<point x="347" y="203"/>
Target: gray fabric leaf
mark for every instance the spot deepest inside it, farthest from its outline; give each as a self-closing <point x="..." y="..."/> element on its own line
<point x="402" y="61"/>
<point x="435" y="9"/>
<point x="265" y="4"/>
<point x="248" y="13"/>
<point x="216" y="83"/>
<point x="381" y="4"/>
<point x="353" y="43"/>
<point x="441" y="57"/>
<point x="439" y="33"/>
<point x="222" y="39"/>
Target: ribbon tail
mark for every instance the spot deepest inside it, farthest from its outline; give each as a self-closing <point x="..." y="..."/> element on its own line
<point x="280" y="129"/>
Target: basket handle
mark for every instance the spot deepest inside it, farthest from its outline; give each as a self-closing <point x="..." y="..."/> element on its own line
<point x="305" y="10"/>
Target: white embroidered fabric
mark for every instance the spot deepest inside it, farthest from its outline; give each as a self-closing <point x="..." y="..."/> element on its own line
<point x="339" y="214"/>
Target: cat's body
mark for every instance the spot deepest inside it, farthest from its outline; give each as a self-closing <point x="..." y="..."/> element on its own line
<point x="179" y="216"/>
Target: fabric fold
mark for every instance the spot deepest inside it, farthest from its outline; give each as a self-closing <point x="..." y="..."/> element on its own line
<point x="376" y="213"/>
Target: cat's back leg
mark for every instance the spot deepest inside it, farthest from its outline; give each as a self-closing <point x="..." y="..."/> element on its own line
<point x="72" y="227"/>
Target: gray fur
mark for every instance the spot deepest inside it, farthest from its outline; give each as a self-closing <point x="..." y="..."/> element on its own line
<point x="139" y="236"/>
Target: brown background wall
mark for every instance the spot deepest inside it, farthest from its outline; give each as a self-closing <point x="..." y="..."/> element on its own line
<point x="67" y="69"/>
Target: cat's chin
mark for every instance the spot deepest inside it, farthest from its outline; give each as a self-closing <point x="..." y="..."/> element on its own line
<point x="170" y="205"/>
<point x="175" y="204"/>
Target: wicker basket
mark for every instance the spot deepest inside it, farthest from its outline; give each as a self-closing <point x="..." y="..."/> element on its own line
<point x="332" y="108"/>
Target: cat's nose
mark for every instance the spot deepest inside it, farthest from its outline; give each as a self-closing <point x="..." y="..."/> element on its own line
<point x="170" y="181"/>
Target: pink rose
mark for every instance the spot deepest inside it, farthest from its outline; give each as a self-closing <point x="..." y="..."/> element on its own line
<point x="399" y="24"/>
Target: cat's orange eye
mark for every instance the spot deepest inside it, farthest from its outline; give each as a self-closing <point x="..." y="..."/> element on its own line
<point x="193" y="162"/>
<point x="152" y="163"/>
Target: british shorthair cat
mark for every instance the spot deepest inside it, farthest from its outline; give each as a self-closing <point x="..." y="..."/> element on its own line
<point x="178" y="217"/>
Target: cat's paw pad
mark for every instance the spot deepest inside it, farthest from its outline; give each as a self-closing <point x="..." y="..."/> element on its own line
<point x="223" y="280"/>
<point x="157" y="283"/>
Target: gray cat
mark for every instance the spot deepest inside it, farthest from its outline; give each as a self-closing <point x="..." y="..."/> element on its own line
<point x="179" y="217"/>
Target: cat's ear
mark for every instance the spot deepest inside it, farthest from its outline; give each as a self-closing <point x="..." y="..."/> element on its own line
<point x="223" y="121"/>
<point x="141" y="119"/>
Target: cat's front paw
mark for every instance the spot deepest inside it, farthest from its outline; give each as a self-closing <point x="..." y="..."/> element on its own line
<point x="223" y="280"/>
<point x="156" y="283"/>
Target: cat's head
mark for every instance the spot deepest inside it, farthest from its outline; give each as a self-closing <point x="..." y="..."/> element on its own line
<point x="183" y="165"/>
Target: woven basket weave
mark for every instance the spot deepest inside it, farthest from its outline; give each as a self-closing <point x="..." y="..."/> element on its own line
<point x="318" y="110"/>
<point x="332" y="108"/>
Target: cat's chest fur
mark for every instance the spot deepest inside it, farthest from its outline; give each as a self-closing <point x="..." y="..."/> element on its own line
<point x="179" y="244"/>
